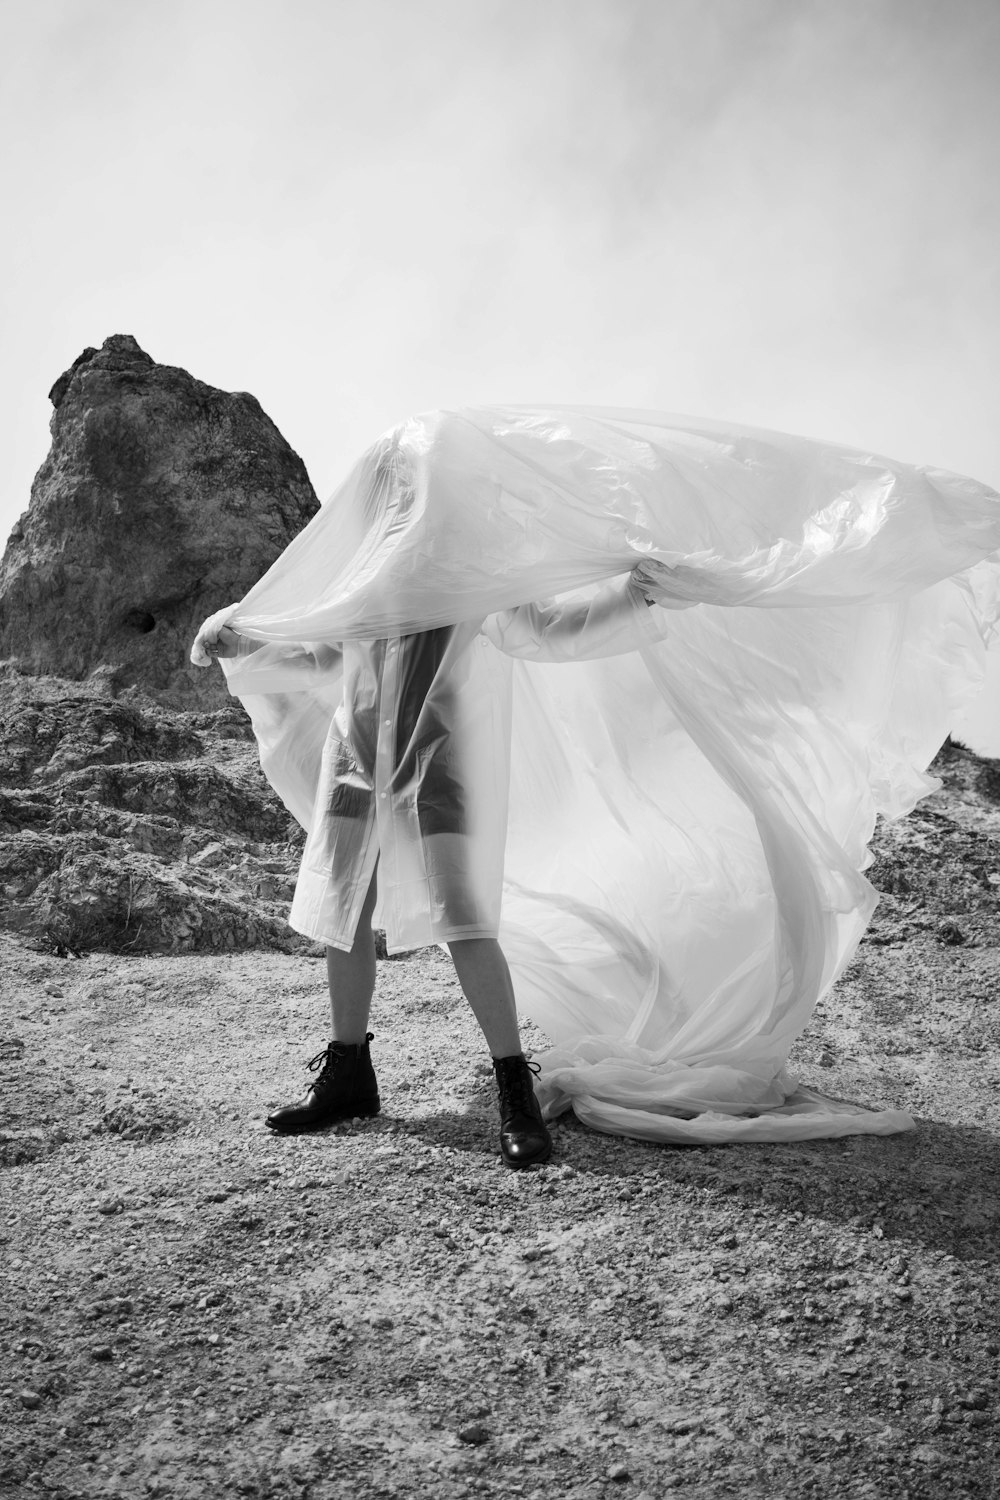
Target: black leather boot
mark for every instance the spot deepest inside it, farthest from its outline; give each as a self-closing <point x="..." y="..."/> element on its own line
<point x="524" y="1138"/>
<point x="345" y="1089"/>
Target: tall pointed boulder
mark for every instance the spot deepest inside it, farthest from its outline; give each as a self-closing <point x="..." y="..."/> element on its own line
<point x="161" y="500"/>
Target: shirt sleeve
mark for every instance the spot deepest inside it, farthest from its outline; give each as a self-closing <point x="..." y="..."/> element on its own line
<point x="282" y="667"/>
<point x="579" y="627"/>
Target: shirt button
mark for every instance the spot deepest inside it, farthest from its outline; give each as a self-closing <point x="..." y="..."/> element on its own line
<point x="387" y="722"/>
<point x="383" y="795"/>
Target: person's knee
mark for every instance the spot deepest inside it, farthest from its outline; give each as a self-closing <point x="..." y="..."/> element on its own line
<point x="484" y="945"/>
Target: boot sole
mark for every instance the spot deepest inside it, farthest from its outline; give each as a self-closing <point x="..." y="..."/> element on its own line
<point x="305" y="1127"/>
<point x="530" y="1161"/>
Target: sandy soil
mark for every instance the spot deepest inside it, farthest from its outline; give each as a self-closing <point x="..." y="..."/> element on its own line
<point x="197" y="1308"/>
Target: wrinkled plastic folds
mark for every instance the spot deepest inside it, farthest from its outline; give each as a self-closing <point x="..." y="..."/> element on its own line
<point x="689" y="819"/>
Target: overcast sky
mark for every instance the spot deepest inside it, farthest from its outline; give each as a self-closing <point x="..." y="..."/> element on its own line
<point x="784" y="212"/>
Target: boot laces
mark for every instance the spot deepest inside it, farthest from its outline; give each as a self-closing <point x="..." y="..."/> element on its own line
<point x="325" y="1061"/>
<point x="516" y="1086"/>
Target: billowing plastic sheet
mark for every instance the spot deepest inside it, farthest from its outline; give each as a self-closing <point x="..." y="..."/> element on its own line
<point x="688" y="820"/>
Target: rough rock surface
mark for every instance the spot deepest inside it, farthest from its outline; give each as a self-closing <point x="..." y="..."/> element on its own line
<point x="127" y="827"/>
<point x="162" y="499"/>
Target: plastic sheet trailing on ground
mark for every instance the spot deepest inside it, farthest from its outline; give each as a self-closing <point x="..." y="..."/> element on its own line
<point x="689" y="822"/>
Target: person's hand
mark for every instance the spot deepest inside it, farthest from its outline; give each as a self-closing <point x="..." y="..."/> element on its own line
<point x="215" y="639"/>
<point x="226" y="643"/>
<point x="642" y="578"/>
<point x="671" y="586"/>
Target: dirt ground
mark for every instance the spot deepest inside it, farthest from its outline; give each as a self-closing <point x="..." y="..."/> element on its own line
<point x="196" y="1308"/>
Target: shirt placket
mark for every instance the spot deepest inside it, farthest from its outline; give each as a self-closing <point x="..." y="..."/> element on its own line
<point x="385" y="748"/>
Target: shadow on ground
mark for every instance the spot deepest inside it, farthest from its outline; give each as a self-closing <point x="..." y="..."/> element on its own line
<point x="937" y="1186"/>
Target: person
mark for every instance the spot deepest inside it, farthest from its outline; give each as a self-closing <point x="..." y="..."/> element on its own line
<point x="400" y="749"/>
<point x="678" y="833"/>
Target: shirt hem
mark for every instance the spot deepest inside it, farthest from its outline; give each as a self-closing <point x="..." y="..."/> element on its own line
<point x="403" y="944"/>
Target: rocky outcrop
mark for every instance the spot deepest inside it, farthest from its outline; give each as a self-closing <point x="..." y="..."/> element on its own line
<point x="126" y="827"/>
<point x="161" y="500"/>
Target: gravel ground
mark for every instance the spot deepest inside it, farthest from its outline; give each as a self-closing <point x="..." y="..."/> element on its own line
<point x="195" y="1307"/>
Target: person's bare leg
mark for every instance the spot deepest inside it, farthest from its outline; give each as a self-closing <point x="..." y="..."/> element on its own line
<point x="351" y="977"/>
<point x="485" y="979"/>
<point x="345" y="1086"/>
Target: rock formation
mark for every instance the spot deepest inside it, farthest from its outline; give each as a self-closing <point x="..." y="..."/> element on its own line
<point x="127" y="827"/>
<point x="161" y="500"/>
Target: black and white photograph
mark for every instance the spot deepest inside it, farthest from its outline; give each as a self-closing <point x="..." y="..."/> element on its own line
<point x="500" y="749"/>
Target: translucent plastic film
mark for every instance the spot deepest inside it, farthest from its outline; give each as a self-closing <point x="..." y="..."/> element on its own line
<point x="692" y="788"/>
<point x="454" y="515"/>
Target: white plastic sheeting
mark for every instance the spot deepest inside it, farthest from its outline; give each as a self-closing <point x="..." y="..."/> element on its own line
<point x="688" y="820"/>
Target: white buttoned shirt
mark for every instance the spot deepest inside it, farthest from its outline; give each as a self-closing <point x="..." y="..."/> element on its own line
<point x="414" y="768"/>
